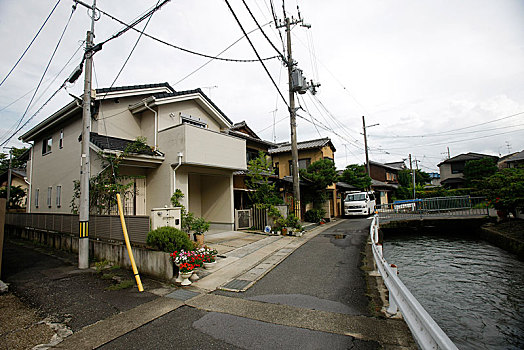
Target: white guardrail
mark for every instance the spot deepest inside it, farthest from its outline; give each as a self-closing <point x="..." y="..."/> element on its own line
<point x="425" y="330"/>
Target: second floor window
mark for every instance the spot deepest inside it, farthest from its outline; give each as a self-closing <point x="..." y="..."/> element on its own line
<point x="457" y="168"/>
<point x="302" y="164"/>
<point x="47" y="143"/>
<point x="61" y="139"/>
<point x="37" y="195"/>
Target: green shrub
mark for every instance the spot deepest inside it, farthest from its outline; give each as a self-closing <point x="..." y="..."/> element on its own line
<point x="292" y="221"/>
<point x="168" y="239"/>
<point x="314" y="215"/>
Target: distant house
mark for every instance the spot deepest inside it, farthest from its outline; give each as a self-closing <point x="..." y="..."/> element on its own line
<point x="384" y="179"/>
<point x="308" y="152"/>
<point x="435" y="178"/>
<point x="452" y="170"/>
<point x="18" y="178"/>
<point x="189" y="150"/>
<point x="514" y="160"/>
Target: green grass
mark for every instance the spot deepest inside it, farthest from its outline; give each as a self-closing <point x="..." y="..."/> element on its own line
<point x="122" y="285"/>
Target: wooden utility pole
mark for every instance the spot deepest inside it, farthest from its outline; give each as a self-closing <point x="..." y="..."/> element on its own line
<point x="85" y="172"/>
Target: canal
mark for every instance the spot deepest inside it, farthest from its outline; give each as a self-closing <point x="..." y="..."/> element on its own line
<point x="472" y="289"/>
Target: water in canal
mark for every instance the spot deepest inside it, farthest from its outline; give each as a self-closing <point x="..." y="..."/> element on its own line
<point x="472" y="289"/>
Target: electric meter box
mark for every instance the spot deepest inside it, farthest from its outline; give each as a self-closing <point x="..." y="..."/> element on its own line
<point x="166" y="217"/>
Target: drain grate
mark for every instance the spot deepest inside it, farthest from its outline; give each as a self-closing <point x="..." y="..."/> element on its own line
<point x="236" y="285"/>
<point x="182" y="294"/>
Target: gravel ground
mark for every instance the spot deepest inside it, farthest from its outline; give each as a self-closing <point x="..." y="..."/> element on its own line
<point x="21" y="327"/>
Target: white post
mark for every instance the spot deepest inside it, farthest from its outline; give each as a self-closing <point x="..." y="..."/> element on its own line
<point x="393" y="308"/>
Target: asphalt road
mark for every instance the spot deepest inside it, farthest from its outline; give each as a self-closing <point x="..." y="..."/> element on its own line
<point x="322" y="274"/>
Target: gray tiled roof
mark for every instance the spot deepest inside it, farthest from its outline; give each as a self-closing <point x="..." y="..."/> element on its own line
<point x="286" y="147"/>
<point x="115" y="143"/>
<point x="189" y="92"/>
<point x="516" y="157"/>
<point x="467" y="156"/>
<point x="133" y="87"/>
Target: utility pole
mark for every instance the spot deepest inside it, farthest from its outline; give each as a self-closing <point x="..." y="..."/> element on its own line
<point x="366" y="145"/>
<point x="449" y="155"/>
<point x="9" y="175"/>
<point x="293" y="123"/>
<point x="364" y="127"/>
<point x="83" y="241"/>
<point x="412" y="175"/>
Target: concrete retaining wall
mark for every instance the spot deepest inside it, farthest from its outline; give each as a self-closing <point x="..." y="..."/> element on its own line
<point x="149" y="262"/>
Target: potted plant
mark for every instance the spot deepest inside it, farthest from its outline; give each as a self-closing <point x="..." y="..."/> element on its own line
<point x="199" y="226"/>
<point x="186" y="270"/>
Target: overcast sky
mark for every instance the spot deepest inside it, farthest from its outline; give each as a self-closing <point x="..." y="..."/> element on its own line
<point x="432" y="74"/>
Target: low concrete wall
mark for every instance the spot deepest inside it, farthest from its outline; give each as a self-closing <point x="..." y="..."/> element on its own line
<point x="149" y="262"/>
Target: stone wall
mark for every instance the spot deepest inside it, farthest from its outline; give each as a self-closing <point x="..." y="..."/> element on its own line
<point x="149" y="262"/>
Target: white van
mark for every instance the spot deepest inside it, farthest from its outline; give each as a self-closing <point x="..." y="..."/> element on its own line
<point x="359" y="203"/>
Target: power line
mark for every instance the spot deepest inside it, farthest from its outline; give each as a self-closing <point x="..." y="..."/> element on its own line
<point x="175" y="46"/>
<point x="464" y="140"/>
<point x="451" y="132"/>
<point x="256" y="53"/>
<point x="264" y="33"/>
<point x="221" y="52"/>
<point x="31" y="43"/>
<point x="136" y="22"/>
<point x="38" y="111"/>
<point x="150" y="15"/>
<point x="45" y="71"/>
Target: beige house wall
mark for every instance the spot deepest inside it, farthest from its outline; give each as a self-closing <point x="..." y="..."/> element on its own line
<point x="114" y="119"/>
<point x="56" y="168"/>
<point x="314" y="154"/>
<point x="445" y="172"/>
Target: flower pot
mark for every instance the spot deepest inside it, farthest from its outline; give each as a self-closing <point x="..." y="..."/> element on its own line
<point x="199" y="238"/>
<point x="185" y="278"/>
<point x="209" y="265"/>
<point x="284" y="231"/>
<point x="502" y="214"/>
<point x="177" y="272"/>
<point x="194" y="277"/>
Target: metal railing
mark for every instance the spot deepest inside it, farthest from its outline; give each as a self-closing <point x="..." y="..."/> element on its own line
<point x="425" y="330"/>
<point x="437" y="206"/>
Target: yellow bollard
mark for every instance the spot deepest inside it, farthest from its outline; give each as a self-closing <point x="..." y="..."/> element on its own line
<point x="128" y="245"/>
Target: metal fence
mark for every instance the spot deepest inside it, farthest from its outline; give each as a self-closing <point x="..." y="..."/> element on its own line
<point x="425" y="330"/>
<point x="437" y="206"/>
<point x="104" y="227"/>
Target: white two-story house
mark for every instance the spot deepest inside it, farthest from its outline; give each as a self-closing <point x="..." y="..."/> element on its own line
<point x="188" y="150"/>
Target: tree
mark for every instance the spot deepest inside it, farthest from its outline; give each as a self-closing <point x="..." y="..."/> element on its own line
<point x="16" y="162"/>
<point x="104" y="186"/>
<point x="355" y="175"/>
<point x="405" y="179"/>
<point x="259" y="171"/>
<point x="505" y="189"/>
<point x="16" y="196"/>
<point x="321" y="174"/>
<point x="475" y="170"/>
